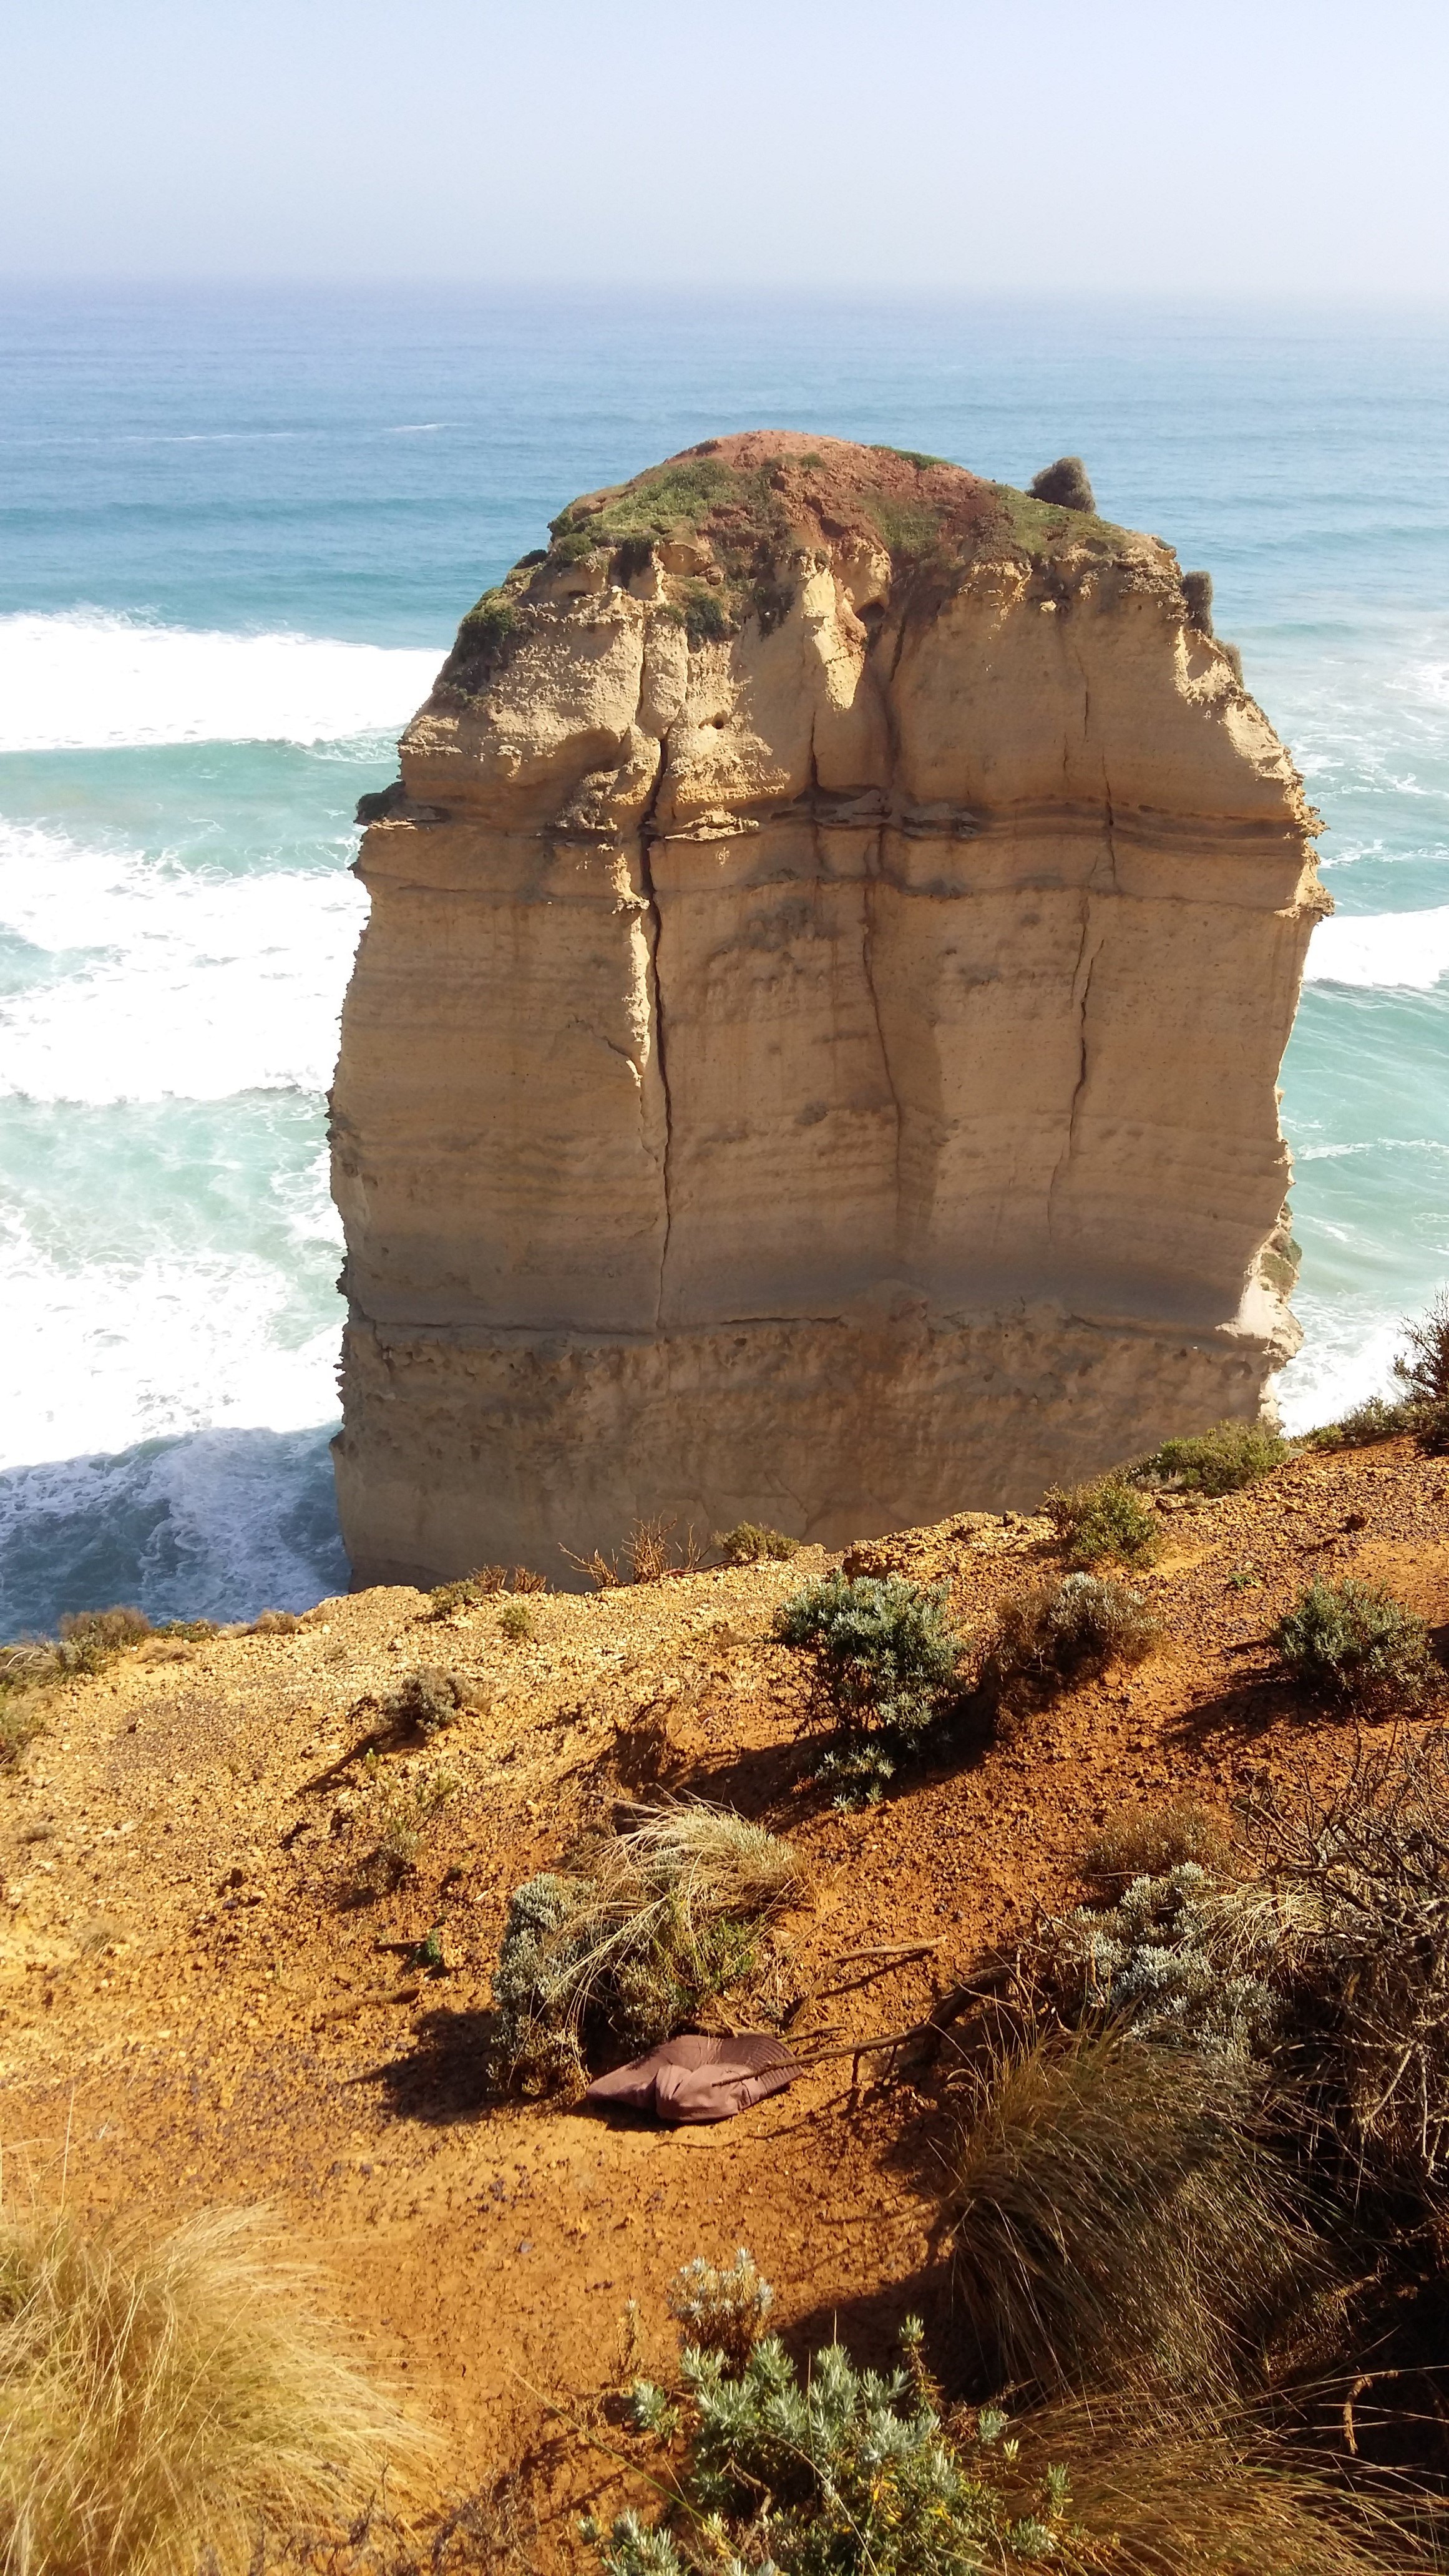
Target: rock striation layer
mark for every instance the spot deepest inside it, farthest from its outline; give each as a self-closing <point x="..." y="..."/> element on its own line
<point x="812" y="1055"/>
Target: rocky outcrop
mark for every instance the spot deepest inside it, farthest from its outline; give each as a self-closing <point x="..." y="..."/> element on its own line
<point x="812" y="1055"/>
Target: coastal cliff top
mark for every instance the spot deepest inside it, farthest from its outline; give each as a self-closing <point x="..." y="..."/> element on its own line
<point x="205" y="2002"/>
<point x="717" y="535"/>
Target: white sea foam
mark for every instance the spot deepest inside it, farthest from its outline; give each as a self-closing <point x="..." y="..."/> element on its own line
<point x="1405" y="951"/>
<point x="179" y="983"/>
<point x="89" y="680"/>
<point x="113" y="1352"/>
<point x="1347" y="1356"/>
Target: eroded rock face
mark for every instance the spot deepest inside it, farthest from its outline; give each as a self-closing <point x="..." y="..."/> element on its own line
<point x="812" y="1056"/>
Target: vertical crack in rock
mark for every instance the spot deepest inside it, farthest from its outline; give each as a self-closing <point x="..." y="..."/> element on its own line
<point x="656" y="995"/>
<point x="1081" y="995"/>
<point x="872" y="880"/>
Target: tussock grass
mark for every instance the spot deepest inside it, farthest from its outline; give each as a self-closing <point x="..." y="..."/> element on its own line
<point x="623" y="1952"/>
<point x="1114" y="2219"/>
<point x="1145" y="1842"/>
<point x="160" y="2399"/>
<point x="748" y="1543"/>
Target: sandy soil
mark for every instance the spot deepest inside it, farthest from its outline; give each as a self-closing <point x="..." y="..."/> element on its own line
<point x="204" y="2002"/>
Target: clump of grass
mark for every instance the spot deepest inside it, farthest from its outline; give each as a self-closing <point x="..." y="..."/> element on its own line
<point x="1065" y="1631"/>
<point x="163" y="2398"/>
<point x="723" y="2308"/>
<point x="1353" y="1643"/>
<point x="92" y="1639"/>
<point x="1115" y="2220"/>
<point x="1104" y="1521"/>
<point x="515" y="1621"/>
<point x="750" y="1544"/>
<point x="611" y="1959"/>
<point x="1145" y="1842"/>
<point x="1220" y="1461"/>
<point x="21" y="1720"/>
<point x="885" y="1654"/>
<point x="275" y="1623"/>
<point x="1198" y="591"/>
<point x="402" y="1818"/>
<point x="844" y="2470"/>
<point x="469" y="1591"/>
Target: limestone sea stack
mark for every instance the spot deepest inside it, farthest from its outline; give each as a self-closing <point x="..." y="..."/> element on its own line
<point x="812" y="1055"/>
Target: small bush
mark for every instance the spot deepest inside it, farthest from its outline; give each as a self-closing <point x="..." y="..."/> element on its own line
<point x="1233" y="656"/>
<point x="1066" y="1631"/>
<point x="1143" y="1842"/>
<point x="469" y="1591"/>
<point x="847" y="2471"/>
<point x="275" y="1623"/>
<point x="515" y="1620"/>
<point x="722" y="2309"/>
<point x="884" y="1649"/>
<point x="1115" y="2218"/>
<point x="426" y="1701"/>
<point x="748" y="1544"/>
<point x="1174" y="1958"/>
<point x="609" y="1961"/>
<point x="1354" y="1643"/>
<point x="652" y="1555"/>
<point x="1100" y="1521"/>
<point x="1222" y="1460"/>
<point x="1356" y="1890"/>
<point x="1375" y="1419"/>
<point x="92" y="1639"/>
<point x="1198" y="591"/>
<point x="1423" y="1372"/>
<point x="404" y="1815"/>
<point x="161" y="2399"/>
<point x="1065" y="484"/>
<point x="705" y="618"/>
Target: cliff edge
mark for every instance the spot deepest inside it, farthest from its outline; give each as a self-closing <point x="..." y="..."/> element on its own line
<point x="812" y="1056"/>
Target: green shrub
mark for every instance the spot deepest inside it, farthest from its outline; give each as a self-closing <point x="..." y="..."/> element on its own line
<point x="1219" y="1461"/>
<point x="1066" y="484"/>
<point x="1353" y="1642"/>
<point x="1377" y="1418"/>
<point x="1065" y="1631"/>
<point x="515" y="1620"/>
<point x="1102" y="1520"/>
<point x="486" y="629"/>
<point x="1423" y="1371"/>
<point x="722" y="2308"/>
<point x="885" y="1655"/>
<point x="706" y="620"/>
<point x="1198" y="592"/>
<point x="606" y="1962"/>
<point x="850" y="2471"/>
<point x="469" y="1590"/>
<point x="1174" y="1958"/>
<point x="426" y="1700"/>
<point x="748" y="1544"/>
<point x="403" y="1816"/>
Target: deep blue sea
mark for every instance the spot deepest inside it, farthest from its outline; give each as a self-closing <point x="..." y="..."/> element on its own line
<point x="237" y="530"/>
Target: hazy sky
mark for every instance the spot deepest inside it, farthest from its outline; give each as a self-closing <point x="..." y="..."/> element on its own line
<point x="1218" y="148"/>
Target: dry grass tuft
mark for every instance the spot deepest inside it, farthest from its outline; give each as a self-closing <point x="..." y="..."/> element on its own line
<point x="161" y="2400"/>
<point x="1101" y="1523"/>
<point x="666" y="1916"/>
<point x="1207" y="2494"/>
<point x="1115" y="2219"/>
<point x="1146" y="1842"/>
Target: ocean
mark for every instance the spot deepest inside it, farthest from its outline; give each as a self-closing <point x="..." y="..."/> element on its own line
<point x="237" y="531"/>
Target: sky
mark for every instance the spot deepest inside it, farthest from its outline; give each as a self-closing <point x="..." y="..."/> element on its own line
<point x="1212" y="150"/>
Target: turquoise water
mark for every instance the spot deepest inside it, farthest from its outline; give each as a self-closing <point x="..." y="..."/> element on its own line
<point x="236" y="534"/>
